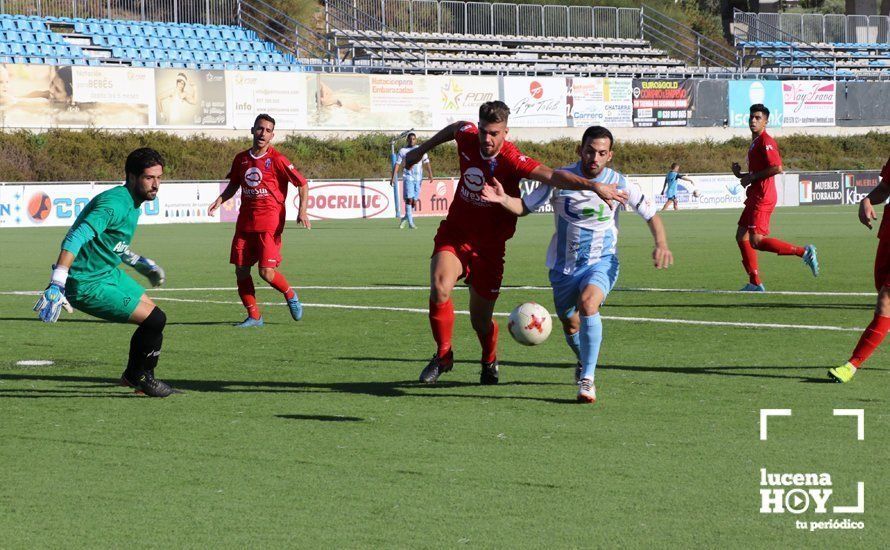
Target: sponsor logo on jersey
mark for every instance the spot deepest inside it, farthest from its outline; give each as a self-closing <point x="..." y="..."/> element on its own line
<point x="268" y="163"/>
<point x="253" y="176"/>
<point x="474" y="179"/>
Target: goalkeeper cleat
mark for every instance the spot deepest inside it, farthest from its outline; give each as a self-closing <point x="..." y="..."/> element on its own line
<point x="586" y="391"/>
<point x="403" y="223"/>
<point x="578" y="369"/>
<point x="250" y="322"/>
<point x="489" y="374"/>
<point x="809" y="258"/>
<point x="296" y="308"/>
<point x="152" y="387"/>
<point x="843" y="373"/>
<point x="751" y="287"/>
<point x="436" y="367"/>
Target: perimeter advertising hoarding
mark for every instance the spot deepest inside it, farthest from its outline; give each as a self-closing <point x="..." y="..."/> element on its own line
<point x="662" y="102"/>
<point x="281" y="95"/>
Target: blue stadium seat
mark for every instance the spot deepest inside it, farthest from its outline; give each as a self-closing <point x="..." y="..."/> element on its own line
<point x="127" y="42"/>
<point x="16" y="49"/>
<point x="33" y="49"/>
<point x="122" y="30"/>
<point x="214" y="34"/>
<point x="201" y="33"/>
<point x="27" y="37"/>
<point x="174" y="32"/>
<point x="112" y="41"/>
<point x="22" y="24"/>
<point x="12" y="36"/>
<point x="161" y="32"/>
<point x="189" y="33"/>
<point x="136" y="29"/>
<point x="139" y="42"/>
<point x="193" y="44"/>
<point x="219" y="46"/>
<point x="118" y="53"/>
<point x="206" y="44"/>
<point x="228" y="34"/>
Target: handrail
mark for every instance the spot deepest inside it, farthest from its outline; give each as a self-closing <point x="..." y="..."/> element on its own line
<point x="663" y="28"/>
<point x="261" y="17"/>
<point x="797" y="46"/>
<point x="344" y="28"/>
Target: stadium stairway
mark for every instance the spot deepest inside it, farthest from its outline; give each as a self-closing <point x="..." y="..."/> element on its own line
<point x="72" y="41"/>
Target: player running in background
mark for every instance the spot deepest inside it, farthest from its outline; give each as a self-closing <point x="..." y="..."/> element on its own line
<point x="876" y="331"/>
<point x="670" y="186"/>
<point x="411" y="180"/>
<point x="87" y="275"/>
<point x="764" y="163"/>
<point x="583" y="253"/>
<point x="262" y="174"/>
<point x="471" y="240"/>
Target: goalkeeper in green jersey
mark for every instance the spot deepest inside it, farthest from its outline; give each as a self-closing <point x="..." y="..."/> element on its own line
<point x="86" y="274"/>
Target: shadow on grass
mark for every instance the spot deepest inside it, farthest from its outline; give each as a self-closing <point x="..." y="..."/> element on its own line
<point x="320" y="417"/>
<point x="759" y="371"/>
<point x="86" y="386"/>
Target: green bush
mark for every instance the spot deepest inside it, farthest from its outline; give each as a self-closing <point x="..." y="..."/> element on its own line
<point x="67" y="155"/>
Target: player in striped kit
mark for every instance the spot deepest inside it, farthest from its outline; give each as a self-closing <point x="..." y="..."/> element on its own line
<point x="583" y="256"/>
<point x="411" y="180"/>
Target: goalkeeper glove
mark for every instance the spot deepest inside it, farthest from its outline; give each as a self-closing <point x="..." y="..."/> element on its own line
<point x="145" y="267"/>
<point x="51" y="302"/>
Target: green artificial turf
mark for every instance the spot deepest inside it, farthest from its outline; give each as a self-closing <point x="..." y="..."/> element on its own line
<point x="316" y="434"/>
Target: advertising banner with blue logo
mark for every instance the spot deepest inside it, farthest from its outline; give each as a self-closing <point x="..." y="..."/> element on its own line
<point x="36" y="205"/>
<point x="744" y="93"/>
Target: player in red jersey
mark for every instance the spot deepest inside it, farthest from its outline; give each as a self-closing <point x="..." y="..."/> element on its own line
<point x="880" y="324"/>
<point x="262" y="174"/>
<point x="471" y="240"/>
<point x="764" y="163"/>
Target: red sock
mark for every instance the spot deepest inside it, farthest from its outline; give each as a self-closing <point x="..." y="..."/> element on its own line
<point x="870" y="340"/>
<point x="442" y="323"/>
<point x="248" y="296"/>
<point x="780" y="247"/>
<point x="489" y="343"/>
<point x="279" y="283"/>
<point x="749" y="261"/>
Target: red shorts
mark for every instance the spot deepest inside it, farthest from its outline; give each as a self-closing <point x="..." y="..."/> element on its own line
<point x="482" y="267"/>
<point x="757" y="218"/>
<point x="262" y="247"/>
<point x="882" y="264"/>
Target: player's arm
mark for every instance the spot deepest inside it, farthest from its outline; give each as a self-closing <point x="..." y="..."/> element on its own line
<point x="49" y="305"/>
<point x="144" y="266"/>
<point x="645" y="208"/>
<point x="444" y="135"/>
<point x="877" y="196"/>
<point x="664" y="187"/>
<point x="302" y="215"/>
<point x="768" y="172"/>
<point x="429" y="168"/>
<point x="563" y="179"/>
<point x="495" y="194"/>
<point x="227" y="193"/>
<point x="661" y="255"/>
<point x="685" y="178"/>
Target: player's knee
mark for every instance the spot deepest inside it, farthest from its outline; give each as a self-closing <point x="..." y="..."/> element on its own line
<point x="571" y="325"/>
<point x="481" y="324"/>
<point x="242" y="272"/>
<point x="440" y="290"/>
<point x="156" y="320"/>
<point x="755" y="240"/>
<point x="267" y="273"/>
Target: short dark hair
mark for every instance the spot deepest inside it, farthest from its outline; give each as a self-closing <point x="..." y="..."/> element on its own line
<point x="597" y="132"/>
<point x="140" y="159"/>
<point x="410" y="134"/>
<point x="675" y="165"/>
<point x="494" y="111"/>
<point x="759" y="108"/>
<point x="263" y="116"/>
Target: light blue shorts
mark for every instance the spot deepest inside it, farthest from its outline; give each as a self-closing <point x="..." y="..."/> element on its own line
<point x="567" y="288"/>
<point x="411" y="188"/>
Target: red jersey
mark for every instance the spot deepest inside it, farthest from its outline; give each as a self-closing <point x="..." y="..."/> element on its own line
<point x="884" y="231"/>
<point x="263" y="182"/>
<point x="478" y="221"/>
<point x="763" y="153"/>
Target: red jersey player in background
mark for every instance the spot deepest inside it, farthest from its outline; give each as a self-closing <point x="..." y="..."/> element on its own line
<point x="880" y="323"/>
<point x="471" y="240"/>
<point x="764" y="163"/>
<point x="262" y="174"/>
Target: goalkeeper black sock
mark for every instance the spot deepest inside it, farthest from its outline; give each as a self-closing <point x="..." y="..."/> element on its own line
<point x="145" y="345"/>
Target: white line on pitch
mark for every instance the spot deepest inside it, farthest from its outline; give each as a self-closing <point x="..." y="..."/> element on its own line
<point x="506" y="288"/>
<point x="607" y="317"/>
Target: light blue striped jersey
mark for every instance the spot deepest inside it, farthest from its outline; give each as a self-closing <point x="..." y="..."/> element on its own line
<point x="586" y="228"/>
<point x="415" y="173"/>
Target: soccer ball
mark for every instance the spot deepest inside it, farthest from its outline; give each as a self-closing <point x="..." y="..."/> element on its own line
<point x="696" y="194"/>
<point x="530" y="324"/>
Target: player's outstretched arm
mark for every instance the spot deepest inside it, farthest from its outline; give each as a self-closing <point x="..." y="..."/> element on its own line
<point x="144" y="266"/>
<point x="495" y="194"/>
<point x="662" y="255"/>
<point x="49" y="305"/>
<point x="444" y="135"/>
<point x="429" y="169"/>
<point x="563" y="179"/>
<point x="877" y="195"/>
